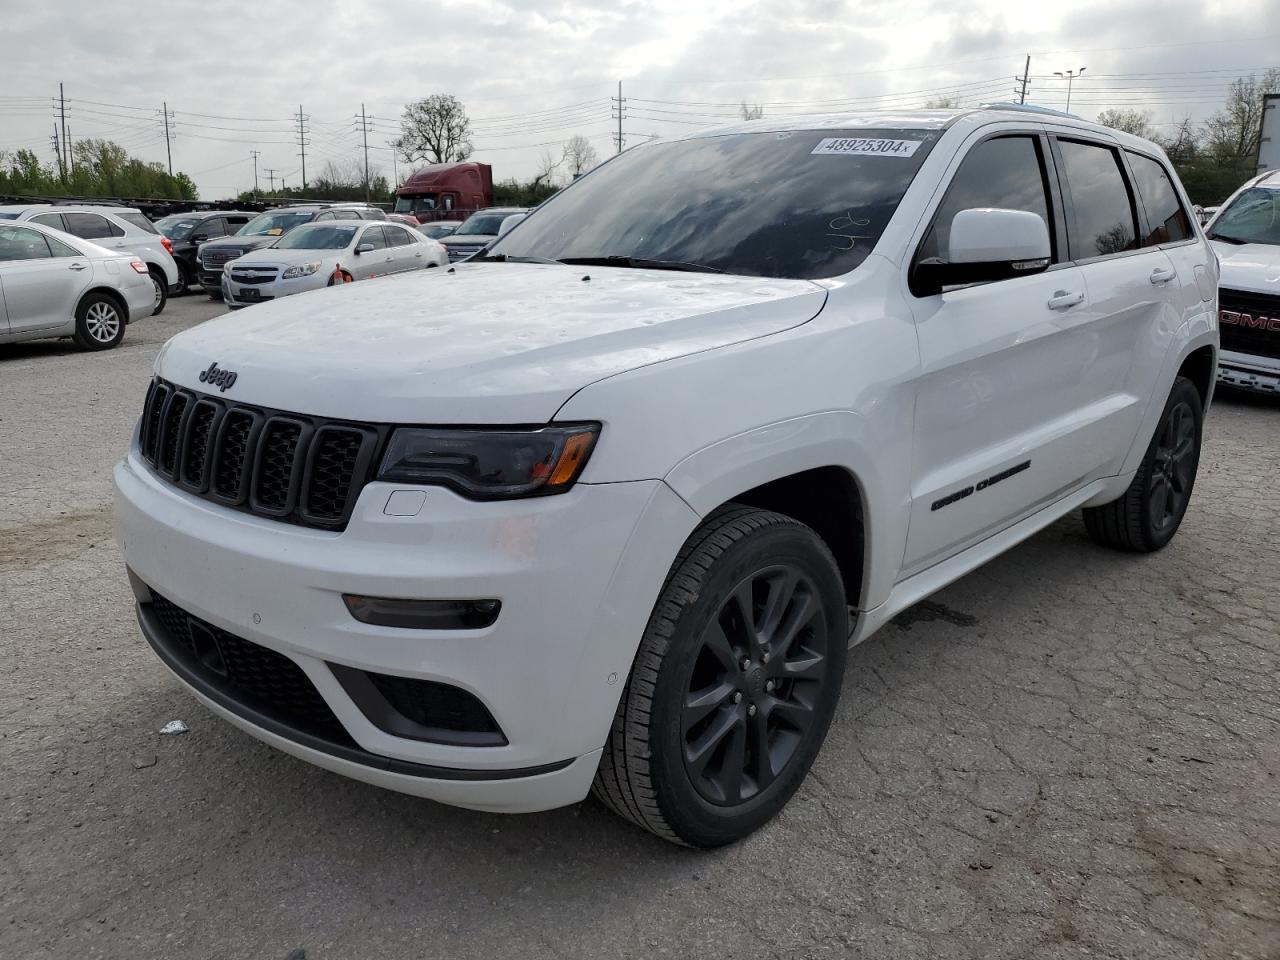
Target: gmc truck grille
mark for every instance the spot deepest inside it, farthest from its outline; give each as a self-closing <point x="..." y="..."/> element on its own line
<point x="285" y="466"/>
<point x="460" y="251"/>
<point x="1249" y="323"/>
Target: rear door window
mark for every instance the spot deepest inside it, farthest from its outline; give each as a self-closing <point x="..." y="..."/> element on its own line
<point x="397" y="236"/>
<point x="91" y="226"/>
<point x="213" y="227"/>
<point x="1167" y="219"/>
<point x="1101" y="221"/>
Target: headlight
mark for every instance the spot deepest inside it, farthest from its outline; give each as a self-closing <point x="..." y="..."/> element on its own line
<point x="492" y="464"/>
<point x="301" y="270"/>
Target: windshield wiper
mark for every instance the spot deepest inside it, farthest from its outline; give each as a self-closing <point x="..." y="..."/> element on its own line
<point x="641" y="263"/>
<point x="1227" y="238"/>
<point x="509" y="258"/>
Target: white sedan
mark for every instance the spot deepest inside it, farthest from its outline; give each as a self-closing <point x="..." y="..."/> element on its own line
<point x="55" y="285"/>
<point x="325" y="254"/>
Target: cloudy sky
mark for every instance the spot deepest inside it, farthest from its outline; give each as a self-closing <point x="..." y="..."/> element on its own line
<point x="533" y="73"/>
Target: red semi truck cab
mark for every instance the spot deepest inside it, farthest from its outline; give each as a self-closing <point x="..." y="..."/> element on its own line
<point x="446" y="191"/>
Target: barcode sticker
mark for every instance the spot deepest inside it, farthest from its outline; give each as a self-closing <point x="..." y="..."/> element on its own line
<point x="866" y="147"/>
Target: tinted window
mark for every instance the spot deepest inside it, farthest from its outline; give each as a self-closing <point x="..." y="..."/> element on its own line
<point x="1102" y="221"/>
<point x="373" y="236"/>
<point x="802" y="204"/>
<point x="18" y="243"/>
<point x="1005" y="173"/>
<point x="1167" y="220"/>
<point x="90" y="226"/>
<point x="397" y="237"/>
<point x="60" y="249"/>
<point x="235" y="223"/>
<point x="139" y="221"/>
<point x="49" y="220"/>
<point x="373" y="213"/>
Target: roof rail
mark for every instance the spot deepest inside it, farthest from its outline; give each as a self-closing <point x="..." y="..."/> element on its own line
<point x="1028" y="108"/>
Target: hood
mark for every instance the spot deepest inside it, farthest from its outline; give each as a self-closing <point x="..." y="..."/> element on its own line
<point x="238" y="243"/>
<point x="1254" y="267"/>
<point x="479" y="343"/>
<point x="270" y="255"/>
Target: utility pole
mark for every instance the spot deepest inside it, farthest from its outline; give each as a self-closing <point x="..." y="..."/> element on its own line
<point x="364" y="132"/>
<point x="395" y="168"/>
<point x="1070" y="75"/>
<point x="71" y="157"/>
<point x="62" y="106"/>
<point x="57" y="152"/>
<point x="271" y="173"/>
<point x="1023" y="80"/>
<point x="620" y="109"/>
<point x="168" y="149"/>
<point x="255" y="154"/>
<point x="302" y="146"/>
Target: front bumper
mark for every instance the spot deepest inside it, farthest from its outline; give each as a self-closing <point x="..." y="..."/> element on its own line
<point x="577" y="575"/>
<point x="1246" y="372"/>
<point x="239" y="295"/>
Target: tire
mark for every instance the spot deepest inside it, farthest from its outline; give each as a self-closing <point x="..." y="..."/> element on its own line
<point x="213" y="294"/>
<point x="184" y="280"/>
<point x="687" y="689"/>
<point x="1148" y="514"/>
<point x="161" y="284"/>
<point x="99" y="322"/>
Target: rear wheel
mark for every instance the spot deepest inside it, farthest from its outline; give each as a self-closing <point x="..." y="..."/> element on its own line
<point x="734" y="684"/>
<point x="1149" y="513"/>
<point x="161" y="285"/>
<point x="184" y="279"/>
<point x="99" y="323"/>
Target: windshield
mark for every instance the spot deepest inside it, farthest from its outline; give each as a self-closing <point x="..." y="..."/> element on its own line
<point x="437" y="230"/>
<point x="1254" y="217"/>
<point x="803" y="204"/>
<point x="481" y="224"/>
<point x="424" y="201"/>
<point x="274" y="224"/>
<point x="317" y="236"/>
<point x="176" y="228"/>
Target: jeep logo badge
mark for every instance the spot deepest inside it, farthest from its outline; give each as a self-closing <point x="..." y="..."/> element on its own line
<point x="222" y="379"/>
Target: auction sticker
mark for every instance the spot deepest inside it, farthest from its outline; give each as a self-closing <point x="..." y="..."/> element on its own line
<point x="866" y="147"/>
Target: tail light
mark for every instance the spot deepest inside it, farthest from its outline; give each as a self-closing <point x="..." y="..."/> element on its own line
<point x="166" y="243"/>
<point x="138" y="266"/>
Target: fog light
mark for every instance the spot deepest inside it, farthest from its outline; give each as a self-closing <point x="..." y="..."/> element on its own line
<point x="423" y="614"/>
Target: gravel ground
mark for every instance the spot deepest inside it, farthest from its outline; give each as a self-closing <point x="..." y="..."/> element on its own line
<point x="1070" y="753"/>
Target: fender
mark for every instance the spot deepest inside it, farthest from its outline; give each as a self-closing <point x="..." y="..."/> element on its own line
<point x="1199" y="331"/>
<point x="719" y="472"/>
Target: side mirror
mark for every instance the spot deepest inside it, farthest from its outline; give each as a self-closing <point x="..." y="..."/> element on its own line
<point x="199" y="237"/>
<point x="987" y="243"/>
<point x="505" y="227"/>
<point x="365" y="248"/>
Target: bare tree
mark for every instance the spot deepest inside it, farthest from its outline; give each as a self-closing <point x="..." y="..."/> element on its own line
<point x="1183" y="144"/>
<point x="751" y="111"/>
<point x="942" y="103"/>
<point x="1231" y="134"/>
<point x="547" y="166"/>
<point x="1136" y="122"/>
<point x="435" y="129"/>
<point x="580" y="155"/>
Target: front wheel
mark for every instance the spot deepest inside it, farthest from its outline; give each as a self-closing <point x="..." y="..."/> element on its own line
<point x="734" y="684"/>
<point x="1150" y="511"/>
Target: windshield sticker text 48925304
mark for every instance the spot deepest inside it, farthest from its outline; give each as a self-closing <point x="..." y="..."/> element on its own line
<point x="866" y="146"/>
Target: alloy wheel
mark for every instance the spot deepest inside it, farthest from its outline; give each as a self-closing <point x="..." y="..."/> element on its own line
<point x="102" y="320"/>
<point x="1172" y="467"/>
<point x="158" y="288"/>
<point x="754" y="686"/>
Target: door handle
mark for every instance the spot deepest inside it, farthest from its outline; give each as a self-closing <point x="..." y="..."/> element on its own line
<point x="78" y="266"/>
<point x="1062" y="300"/>
<point x="1160" y="275"/>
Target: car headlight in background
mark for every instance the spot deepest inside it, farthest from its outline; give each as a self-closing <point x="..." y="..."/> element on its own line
<point x="301" y="270"/>
<point x="491" y="464"/>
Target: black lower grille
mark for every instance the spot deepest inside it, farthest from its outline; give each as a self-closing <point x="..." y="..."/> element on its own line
<point x="1249" y="323"/>
<point x="267" y="681"/>
<point x="289" y="467"/>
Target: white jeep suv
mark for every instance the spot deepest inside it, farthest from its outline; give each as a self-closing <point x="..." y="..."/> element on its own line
<point x="605" y="507"/>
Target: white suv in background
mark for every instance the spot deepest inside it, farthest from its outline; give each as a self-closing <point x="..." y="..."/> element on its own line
<point x="125" y="229"/>
<point x="607" y="504"/>
<point x="1245" y="234"/>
